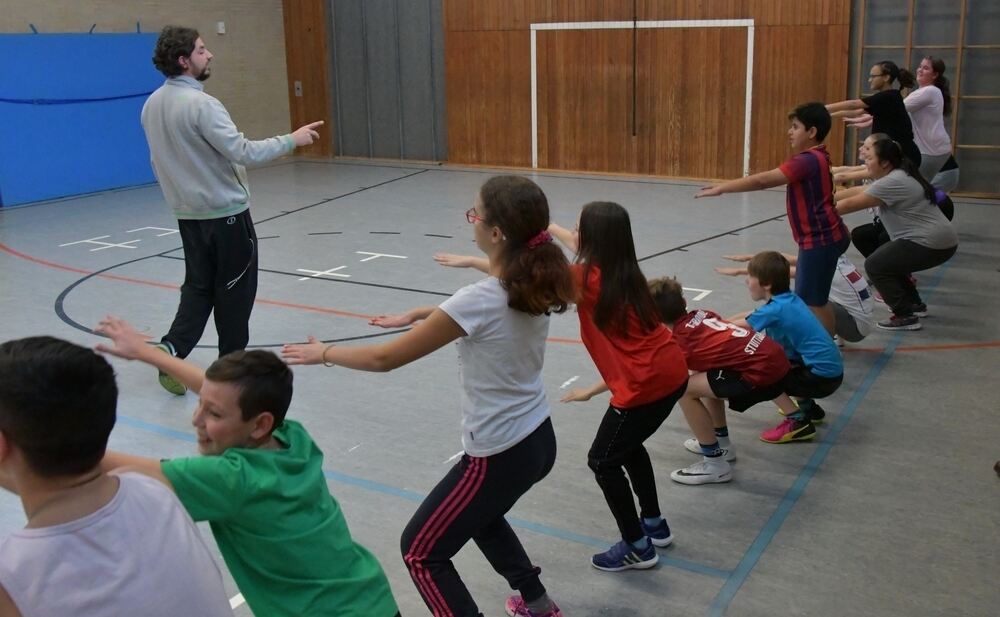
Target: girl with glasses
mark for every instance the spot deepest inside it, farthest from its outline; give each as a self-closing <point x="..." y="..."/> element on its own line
<point x="500" y="325"/>
<point x="886" y="107"/>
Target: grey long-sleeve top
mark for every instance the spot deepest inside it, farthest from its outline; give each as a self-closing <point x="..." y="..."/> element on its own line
<point x="198" y="154"/>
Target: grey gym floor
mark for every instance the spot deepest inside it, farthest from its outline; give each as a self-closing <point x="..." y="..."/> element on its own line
<point x="892" y="511"/>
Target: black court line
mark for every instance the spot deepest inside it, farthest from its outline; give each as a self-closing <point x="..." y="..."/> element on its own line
<point x="719" y="235"/>
<point x="60" y="302"/>
<point x="324" y="233"/>
<point x="299" y="275"/>
<point x="267" y="237"/>
<point x="438" y="236"/>
<point x="384" y="233"/>
<point x="329" y="199"/>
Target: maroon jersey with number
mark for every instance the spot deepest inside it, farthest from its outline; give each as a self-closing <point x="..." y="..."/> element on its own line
<point x="709" y="342"/>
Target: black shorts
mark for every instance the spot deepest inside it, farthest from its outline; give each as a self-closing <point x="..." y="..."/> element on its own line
<point x="729" y="385"/>
<point x="802" y="382"/>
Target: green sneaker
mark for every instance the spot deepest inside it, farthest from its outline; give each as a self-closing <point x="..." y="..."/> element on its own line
<point x="169" y="383"/>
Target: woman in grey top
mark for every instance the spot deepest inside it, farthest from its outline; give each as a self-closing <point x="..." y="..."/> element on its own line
<point x="920" y="237"/>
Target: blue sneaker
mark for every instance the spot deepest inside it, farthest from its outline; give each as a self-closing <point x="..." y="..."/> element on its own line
<point x="624" y="556"/>
<point x="659" y="535"/>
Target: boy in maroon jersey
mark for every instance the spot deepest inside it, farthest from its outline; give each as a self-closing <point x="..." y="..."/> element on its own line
<point x="731" y="363"/>
<point x="817" y="228"/>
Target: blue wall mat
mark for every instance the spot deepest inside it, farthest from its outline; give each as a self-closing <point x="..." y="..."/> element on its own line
<point x="69" y="113"/>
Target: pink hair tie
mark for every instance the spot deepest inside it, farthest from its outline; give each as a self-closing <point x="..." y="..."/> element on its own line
<point x="539" y="239"/>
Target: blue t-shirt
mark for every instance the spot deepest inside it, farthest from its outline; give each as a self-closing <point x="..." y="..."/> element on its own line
<point x="788" y="320"/>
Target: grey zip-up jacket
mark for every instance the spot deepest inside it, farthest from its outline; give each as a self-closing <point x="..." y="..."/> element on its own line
<point x="197" y="152"/>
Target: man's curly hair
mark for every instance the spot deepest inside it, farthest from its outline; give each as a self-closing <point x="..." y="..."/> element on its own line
<point x="174" y="42"/>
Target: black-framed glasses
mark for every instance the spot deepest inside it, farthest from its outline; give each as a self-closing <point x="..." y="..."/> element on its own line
<point x="874" y="76"/>
<point x="472" y="217"/>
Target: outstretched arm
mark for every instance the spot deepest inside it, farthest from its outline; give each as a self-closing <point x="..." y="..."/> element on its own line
<point x="408" y="318"/>
<point x="435" y="332"/>
<point x="463" y="261"/>
<point x="584" y="394"/>
<point x="131" y="345"/>
<point x="121" y="462"/>
<point x="569" y="238"/>
<point x="848" y="105"/>
<point x="756" y="182"/>
<point x="856" y="202"/>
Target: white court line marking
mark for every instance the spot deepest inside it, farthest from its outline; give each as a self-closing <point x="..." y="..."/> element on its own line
<point x="457" y="454"/>
<point x="354" y="448"/>
<point x="627" y="25"/>
<point x="236" y="600"/>
<point x="316" y="273"/>
<point x="103" y="245"/>
<point x="569" y="381"/>
<point x="377" y="255"/>
<point x="704" y="292"/>
<point x="164" y="229"/>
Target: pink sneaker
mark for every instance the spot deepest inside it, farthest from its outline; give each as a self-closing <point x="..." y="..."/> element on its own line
<point x="790" y="429"/>
<point x="516" y="607"/>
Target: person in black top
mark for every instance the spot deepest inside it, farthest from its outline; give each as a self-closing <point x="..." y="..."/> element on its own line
<point x="886" y="107"/>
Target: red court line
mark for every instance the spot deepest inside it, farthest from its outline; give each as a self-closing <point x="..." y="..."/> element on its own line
<point x="330" y="311"/>
<point x="137" y="281"/>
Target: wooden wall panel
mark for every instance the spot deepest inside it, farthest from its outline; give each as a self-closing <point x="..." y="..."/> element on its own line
<point x="763" y="12"/>
<point x="800" y="54"/>
<point x="793" y="65"/>
<point x="308" y="62"/>
<point x="488" y="92"/>
<point x="585" y="100"/>
<point x="520" y="14"/>
<point x="692" y="93"/>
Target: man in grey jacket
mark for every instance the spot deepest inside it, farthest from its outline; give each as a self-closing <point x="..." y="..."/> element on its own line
<point x="198" y="156"/>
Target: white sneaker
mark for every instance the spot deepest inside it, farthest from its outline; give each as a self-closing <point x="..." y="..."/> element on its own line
<point x="704" y="472"/>
<point x="692" y="445"/>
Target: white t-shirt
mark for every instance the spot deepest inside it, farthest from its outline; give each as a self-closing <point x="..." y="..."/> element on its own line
<point x="908" y="214"/>
<point x="500" y="366"/>
<point x="926" y="108"/>
<point x="140" y="554"/>
<point x="850" y="290"/>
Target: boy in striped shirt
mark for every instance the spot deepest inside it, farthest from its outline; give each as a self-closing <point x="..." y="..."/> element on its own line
<point x="817" y="228"/>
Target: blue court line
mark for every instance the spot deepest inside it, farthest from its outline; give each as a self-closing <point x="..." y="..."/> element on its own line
<point x="378" y="487"/>
<point x="753" y="554"/>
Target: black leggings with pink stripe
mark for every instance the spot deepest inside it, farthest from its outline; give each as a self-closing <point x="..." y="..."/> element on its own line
<point x="470" y="504"/>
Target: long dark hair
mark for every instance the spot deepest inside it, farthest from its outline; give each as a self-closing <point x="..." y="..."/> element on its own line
<point x="537" y="278"/>
<point x="890" y="68"/>
<point x="890" y="151"/>
<point x="941" y="82"/>
<point x="606" y="242"/>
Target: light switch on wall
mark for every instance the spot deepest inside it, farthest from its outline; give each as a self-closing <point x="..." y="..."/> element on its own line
<point x="220" y="27"/>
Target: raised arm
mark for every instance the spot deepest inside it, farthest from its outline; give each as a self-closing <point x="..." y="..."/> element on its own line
<point x="428" y="336"/>
<point x="858" y="201"/>
<point x="131" y="345"/>
<point x="121" y="462"/>
<point x="848" y="105"/>
<point x="463" y="261"/>
<point x="568" y="237"/>
<point x="408" y="318"/>
<point x="584" y="394"/>
<point x="756" y="182"/>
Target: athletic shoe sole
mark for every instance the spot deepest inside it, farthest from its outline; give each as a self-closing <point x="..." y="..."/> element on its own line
<point x="639" y="565"/>
<point x="790" y="437"/>
<point x="694" y="479"/>
<point x="661" y="542"/>
<point x="913" y="326"/>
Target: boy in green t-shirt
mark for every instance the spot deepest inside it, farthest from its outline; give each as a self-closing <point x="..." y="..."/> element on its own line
<point x="261" y="487"/>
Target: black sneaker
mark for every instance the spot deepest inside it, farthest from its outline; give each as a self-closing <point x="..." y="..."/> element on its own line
<point x="815" y="413"/>
<point x="908" y="322"/>
<point x="920" y="310"/>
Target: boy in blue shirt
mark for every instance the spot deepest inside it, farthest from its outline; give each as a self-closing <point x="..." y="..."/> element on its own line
<point x="817" y="368"/>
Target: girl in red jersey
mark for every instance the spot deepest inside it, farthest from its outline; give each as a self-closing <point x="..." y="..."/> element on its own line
<point x="642" y="366"/>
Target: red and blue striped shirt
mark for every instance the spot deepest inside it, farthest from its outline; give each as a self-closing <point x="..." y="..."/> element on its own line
<point x="809" y="202"/>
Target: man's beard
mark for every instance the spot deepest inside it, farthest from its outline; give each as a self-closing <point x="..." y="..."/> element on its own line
<point x="205" y="74"/>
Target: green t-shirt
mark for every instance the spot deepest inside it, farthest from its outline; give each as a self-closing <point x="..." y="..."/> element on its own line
<point x="280" y="531"/>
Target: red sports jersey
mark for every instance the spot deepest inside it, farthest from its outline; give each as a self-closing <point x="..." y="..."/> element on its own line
<point x="711" y="343"/>
<point x="809" y="200"/>
<point x="639" y="367"/>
